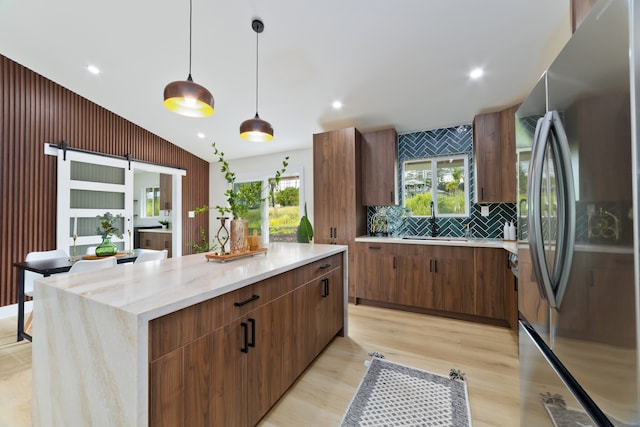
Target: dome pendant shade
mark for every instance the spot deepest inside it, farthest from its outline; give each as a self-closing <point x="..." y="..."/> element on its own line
<point x="188" y="98"/>
<point x="256" y="130"/>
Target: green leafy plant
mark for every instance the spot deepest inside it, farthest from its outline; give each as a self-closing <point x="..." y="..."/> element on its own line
<point x="304" y="233"/>
<point x="242" y="197"/>
<point x="164" y="222"/>
<point x="203" y="245"/>
<point x="107" y="226"/>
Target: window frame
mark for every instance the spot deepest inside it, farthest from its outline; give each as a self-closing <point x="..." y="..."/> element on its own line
<point x="435" y="160"/>
<point x="264" y="176"/>
<point x="143" y="207"/>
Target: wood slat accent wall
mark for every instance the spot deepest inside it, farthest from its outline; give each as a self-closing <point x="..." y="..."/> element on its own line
<point x="35" y="110"/>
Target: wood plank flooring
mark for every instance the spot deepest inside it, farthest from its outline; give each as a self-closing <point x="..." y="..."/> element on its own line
<point x="488" y="355"/>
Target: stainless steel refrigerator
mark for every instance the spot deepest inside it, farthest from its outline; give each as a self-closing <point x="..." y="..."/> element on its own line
<point x="577" y="145"/>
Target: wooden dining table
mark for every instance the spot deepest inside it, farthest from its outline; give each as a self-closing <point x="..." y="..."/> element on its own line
<point x="47" y="267"/>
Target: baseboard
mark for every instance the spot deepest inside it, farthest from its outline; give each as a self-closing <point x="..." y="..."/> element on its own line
<point x="451" y="315"/>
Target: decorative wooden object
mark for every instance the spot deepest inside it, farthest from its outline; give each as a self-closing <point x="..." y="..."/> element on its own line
<point x="229" y="257"/>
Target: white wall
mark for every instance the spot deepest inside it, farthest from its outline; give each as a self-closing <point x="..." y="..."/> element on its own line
<point x="299" y="161"/>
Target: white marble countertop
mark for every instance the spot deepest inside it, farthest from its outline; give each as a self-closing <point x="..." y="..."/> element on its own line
<point x="152" y="289"/>
<point x="510" y="246"/>
<point x="155" y="230"/>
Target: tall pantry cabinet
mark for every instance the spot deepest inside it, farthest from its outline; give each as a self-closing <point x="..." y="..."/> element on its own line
<point x="338" y="214"/>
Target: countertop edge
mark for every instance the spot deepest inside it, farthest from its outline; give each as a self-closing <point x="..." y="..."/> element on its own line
<point x="473" y="243"/>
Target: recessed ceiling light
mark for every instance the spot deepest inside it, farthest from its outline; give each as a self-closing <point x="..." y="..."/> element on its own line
<point x="476" y="73"/>
<point x="200" y="135"/>
<point x="93" y="69"/>
<point x="336" y="105"/>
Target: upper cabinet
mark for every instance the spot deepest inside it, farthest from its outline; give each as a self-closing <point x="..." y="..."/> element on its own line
<point x="379" y="167"/>
<point x="494" y="148"/>
<point x="579" y="10"/>
<point x="166" y="189"/>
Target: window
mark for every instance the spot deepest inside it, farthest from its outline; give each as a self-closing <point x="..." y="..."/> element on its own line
<point x="441" y="180"/>
<point x="279" y="215"/>
<point x="151" y="202"/>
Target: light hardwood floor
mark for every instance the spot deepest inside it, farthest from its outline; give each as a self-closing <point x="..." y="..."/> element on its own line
<point x="488" y="356"/>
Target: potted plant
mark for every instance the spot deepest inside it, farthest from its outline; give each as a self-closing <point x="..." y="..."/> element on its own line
<point x="240" y="198"/>
<point x="165" y="224"/>
<point x="107" y="229"/>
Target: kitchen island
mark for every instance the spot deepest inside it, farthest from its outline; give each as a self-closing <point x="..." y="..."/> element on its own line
<point x="183" y="341"/>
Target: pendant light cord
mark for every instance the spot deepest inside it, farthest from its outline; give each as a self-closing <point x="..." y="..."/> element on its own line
<point x="190" y="32"/>
<point x="257" y="35"/>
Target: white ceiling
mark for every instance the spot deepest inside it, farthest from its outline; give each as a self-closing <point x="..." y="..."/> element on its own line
<point x="393" y="63"/>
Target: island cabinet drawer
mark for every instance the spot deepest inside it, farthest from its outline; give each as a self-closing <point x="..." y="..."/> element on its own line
<point x="178" y="329"/>
<point x="250" y="297"/>
<point x="175" y="330"/>
<point x="319" y="268"/>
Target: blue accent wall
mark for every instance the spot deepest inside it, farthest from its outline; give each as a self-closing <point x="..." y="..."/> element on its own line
<point x="440" y="142"/>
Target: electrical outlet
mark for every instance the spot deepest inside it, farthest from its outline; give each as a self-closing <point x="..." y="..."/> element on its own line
<point x="484" y="210"/>
<point x="192" y="214"/>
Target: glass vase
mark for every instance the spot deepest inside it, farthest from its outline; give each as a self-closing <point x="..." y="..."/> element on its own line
<point x="106" y="248"/>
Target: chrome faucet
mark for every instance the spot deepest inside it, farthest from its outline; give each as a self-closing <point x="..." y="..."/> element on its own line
<point x="432" y="221"/>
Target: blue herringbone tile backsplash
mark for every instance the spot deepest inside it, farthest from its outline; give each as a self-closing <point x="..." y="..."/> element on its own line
<point x="438" y="142"/>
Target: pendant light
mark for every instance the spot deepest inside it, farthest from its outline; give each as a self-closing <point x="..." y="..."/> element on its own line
<point x="256" y="129"/>
<point x="185" y="96"/>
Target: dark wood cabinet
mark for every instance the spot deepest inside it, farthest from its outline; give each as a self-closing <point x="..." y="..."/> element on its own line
<point x="452" y="280"/>
<point x="217" y="363"/>
<point x="495" y="293"/>
<point x="453" y="287"/>
<point x="156" y="241"/>
<point x="422" y="276"/>
<point x="379" y="164"/>
<point x="494" y="149"/>
<point x="166" y="191"/>
<point x="339" y="216"/>
<point x="375" y="271"/>
<point x="326" y="311"/>
<point x="318" y="310"/>
<point x="414" y="276"/>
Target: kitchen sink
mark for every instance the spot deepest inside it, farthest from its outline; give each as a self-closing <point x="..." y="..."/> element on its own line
<point x="437" y="238"/>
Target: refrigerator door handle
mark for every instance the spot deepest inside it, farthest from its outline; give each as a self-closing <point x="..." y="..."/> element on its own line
<point x="550" y="132"/>
<point x="534" y="196"/>
<point x="567" y="211"/>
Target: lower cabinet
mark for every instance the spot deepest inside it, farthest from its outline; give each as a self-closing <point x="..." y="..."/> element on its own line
<point x="248" y="347"/>
<point x="322" y="317"/>
<point x="453" y="274"/>
<point x="450" y="279"/>
<point x="414" y="276"/>
<point x="376" y="271"/>
<point x="490" y="299"/>
<point x="156" y="241"/>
